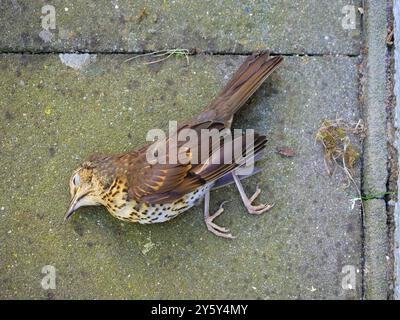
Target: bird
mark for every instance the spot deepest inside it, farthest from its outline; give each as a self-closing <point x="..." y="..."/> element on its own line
<point x="134" y="189"/>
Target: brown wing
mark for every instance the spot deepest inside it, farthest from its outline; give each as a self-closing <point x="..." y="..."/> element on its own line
<point x="165" y="183"/>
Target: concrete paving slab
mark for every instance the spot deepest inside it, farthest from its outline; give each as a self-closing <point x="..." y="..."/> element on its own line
<point x="53" y="116"/>
<point x="376" y="251"/>
<point x="304" y="26"/>
<point x="376" y="171"/>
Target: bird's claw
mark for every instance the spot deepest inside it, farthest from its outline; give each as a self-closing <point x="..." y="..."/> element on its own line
<point x="216" y="229"/>
<point x="258" y="209"/>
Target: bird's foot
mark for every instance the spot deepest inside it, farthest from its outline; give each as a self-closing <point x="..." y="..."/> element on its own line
<point x="216" y="229"/>
<point x="258" y="209"/>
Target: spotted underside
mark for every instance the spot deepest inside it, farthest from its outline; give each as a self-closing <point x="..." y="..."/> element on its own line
<point x="115" y="199"/>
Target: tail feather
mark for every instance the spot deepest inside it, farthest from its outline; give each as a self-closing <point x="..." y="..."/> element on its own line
<point x="247" y="79"/>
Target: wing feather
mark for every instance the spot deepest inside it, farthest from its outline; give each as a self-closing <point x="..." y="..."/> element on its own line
<point x="165" y="183"/>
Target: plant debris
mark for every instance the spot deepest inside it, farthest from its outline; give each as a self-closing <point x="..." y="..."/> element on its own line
<point x="338" y="150"/>
<point x="390" y="36"/>
<point x="143" y="14"/>
<point x="285" y="152"/>
<point x="162" y="55"/>
<point x="373" y="196"/>
<point x="379" y="195"/>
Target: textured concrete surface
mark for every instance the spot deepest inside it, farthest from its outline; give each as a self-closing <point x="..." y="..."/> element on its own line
<point x="375" y="175"/>
<point x="53" y="116"/>
<point x="303" y="26"/>
<point x="376" y="250"/>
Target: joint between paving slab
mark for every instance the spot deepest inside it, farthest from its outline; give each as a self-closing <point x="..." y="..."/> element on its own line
<point x="392" y="162"/>
<point x="191" y="53"/>
<point x="396" y="214"/>
<point x="362" y="162"/>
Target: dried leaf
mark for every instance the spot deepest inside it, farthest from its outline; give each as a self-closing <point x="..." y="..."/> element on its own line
<point x="285" y="152"/>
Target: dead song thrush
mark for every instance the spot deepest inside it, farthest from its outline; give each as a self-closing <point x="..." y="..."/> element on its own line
<point x="135" y="190"/>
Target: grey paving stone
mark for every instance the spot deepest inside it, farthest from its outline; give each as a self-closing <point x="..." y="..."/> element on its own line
<point x="53" y="116"/>
<point x="375" y="175"/>
<point x="376" y="251"/>
<point x="304" y="26"/>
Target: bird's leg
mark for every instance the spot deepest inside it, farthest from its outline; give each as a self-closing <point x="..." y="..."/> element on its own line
<point x="248" y="201"/>
<point x="211" y="226"/>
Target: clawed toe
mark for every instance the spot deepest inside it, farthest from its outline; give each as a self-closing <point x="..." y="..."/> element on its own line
<point x="259" y="209"/>
<point x="256" y="194"/>
<point x="216" y="229"/>
<point x="213" y="225"/>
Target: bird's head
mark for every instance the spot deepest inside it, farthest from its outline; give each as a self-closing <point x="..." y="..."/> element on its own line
<point x="84" y="189"/>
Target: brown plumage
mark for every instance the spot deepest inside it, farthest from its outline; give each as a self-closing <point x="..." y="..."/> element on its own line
<point x="135" y="190"/>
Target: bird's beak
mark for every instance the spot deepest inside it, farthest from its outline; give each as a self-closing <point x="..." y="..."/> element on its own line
<point x="72" y="207"/>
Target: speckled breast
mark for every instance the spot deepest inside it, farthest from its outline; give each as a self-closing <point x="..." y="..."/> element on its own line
<point x="155" y="213"/>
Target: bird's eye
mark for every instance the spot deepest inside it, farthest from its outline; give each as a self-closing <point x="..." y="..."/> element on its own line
<point x="76" y="180"/>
